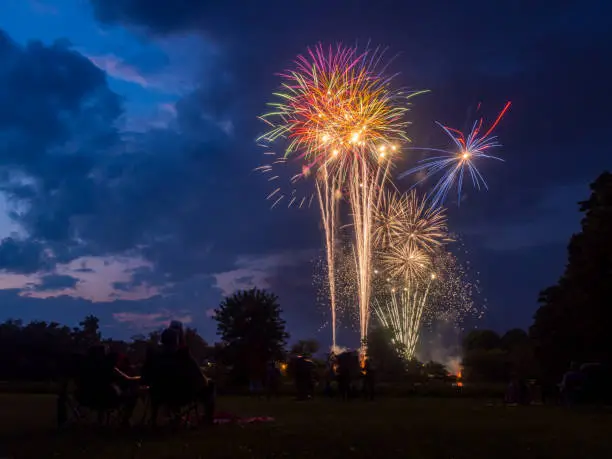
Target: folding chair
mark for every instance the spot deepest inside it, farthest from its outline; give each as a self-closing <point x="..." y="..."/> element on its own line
<point x="73" y="409"/>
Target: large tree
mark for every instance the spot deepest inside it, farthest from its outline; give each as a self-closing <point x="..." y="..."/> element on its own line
<point x="573" y="321"/>
<point x="250" y="325"/>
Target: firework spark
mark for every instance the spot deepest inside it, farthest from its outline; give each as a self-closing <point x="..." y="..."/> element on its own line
<point x="406" y="261"/>
<point x="456" y="163"/>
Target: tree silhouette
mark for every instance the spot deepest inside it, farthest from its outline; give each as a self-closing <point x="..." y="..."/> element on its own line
<point x="514" y="338"/>
<point x="307" y="347"/>
<point x="481" y="339"/>
<point x="572" y="323"/>
<point x="251" y="327"/>
<point x="385" y="354"/>
<point x="487" y="357"/>
<point x="89" y="334"/>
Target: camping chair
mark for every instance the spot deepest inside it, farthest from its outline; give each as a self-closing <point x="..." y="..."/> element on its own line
<point x="81" y="400"/>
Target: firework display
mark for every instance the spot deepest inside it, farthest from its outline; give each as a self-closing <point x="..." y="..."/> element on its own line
<point x="335" y="130"/>
<point x="454" y="164"/>
<point x="340" y="118"/>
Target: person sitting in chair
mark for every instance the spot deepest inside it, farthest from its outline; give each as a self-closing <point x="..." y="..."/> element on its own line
<point x="102" y="387"/>
<point x="175" y="379"/>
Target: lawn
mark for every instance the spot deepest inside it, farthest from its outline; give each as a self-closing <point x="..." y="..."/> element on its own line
<point x="387" y="428"/>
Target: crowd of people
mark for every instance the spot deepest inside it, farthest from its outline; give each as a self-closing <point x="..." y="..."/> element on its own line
<point x="169" y="378"/>
<point x="587" y="383"/>
<point x="344" y="376"/>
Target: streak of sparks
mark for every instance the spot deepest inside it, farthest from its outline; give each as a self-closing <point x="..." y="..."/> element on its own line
<point x="328" y="204"/>
<point x="402" y="312"/>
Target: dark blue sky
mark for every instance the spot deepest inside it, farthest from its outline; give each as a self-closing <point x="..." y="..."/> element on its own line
<point x="127" y="147"/>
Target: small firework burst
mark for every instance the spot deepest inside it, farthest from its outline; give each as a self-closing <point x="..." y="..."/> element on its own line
<point x="454" y="164"/>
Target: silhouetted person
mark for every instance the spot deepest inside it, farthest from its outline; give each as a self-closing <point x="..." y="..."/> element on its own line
<point x="517" y="392"/>
<point x="571" y="384"/>
<point x="177" y="326"/>
<point x="369" y="379"/>
<point x="175" y="379"/>
<point x="304" y="378"/>
<point x="273" y="378"/>
<point x="344" y="375"/>
<point x="330" y="374"/>
<point x="102" y="387"/>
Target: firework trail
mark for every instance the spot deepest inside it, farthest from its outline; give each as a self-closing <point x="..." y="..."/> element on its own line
<point x="364" y="196"/>
<point x="402" y="312"/>
<point x="295" y="192"/>
<point x="327" y="189"/>
<point x="339" y="116"/>
<point x="453" y="165"/>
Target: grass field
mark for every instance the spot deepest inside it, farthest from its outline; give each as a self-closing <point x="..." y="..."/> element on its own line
<point x="387" y="428"/>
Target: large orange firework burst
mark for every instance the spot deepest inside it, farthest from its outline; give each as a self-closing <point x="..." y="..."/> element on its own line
<point x="335" y="106"/>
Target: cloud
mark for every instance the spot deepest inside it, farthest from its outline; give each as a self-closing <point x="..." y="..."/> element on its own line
<point x="119" y="69"/>
<point x="57" y="115"/>
<point x="23" y="256"/>
<point x="52" y="282"/>
<point x="154" y="14"/>
<point x="151" y="321"/>
<point x="257" y="271"/>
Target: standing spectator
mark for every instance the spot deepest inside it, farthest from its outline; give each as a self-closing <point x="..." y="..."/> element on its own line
<point x="369" y="379"/>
